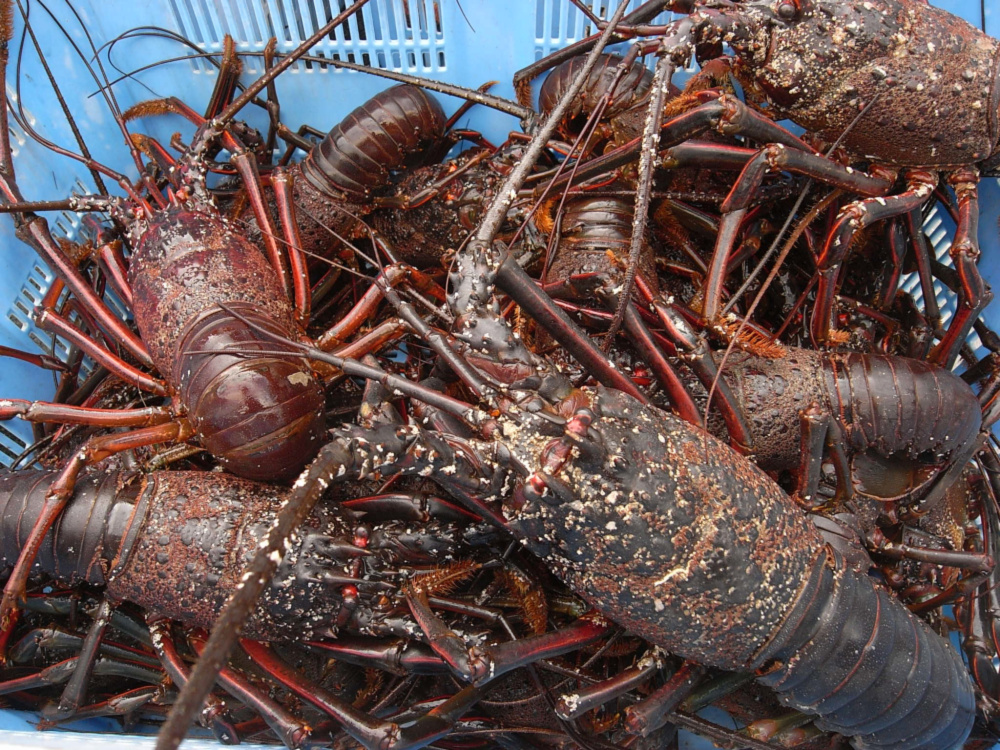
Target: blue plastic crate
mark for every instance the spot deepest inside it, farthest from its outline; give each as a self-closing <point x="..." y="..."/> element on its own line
<point x="467" y="44"/>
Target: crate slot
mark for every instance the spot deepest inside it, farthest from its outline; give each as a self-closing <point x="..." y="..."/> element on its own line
<point x="11" y="446"/>
<point x="45" y="346"/>
<point x="16" y="320"/>
<point x="363" y="37"/>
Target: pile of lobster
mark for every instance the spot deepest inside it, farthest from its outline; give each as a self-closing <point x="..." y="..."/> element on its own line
<point x="547" y="444"/>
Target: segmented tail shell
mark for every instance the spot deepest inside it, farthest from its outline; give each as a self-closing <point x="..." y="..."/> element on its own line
<point x="869" y="668"/>
<point x="261" y="414"/>
<point x="91" y="528"/>
<point x="632" y="88"/>
<point x="380" y="136"/>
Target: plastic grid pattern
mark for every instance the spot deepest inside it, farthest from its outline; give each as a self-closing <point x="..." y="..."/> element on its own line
<point x="465" y="44"/>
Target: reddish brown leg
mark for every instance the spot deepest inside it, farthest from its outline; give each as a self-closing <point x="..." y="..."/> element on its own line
<point x="293" y="732"/>
<point x="774" y="158"/>
<point x="922" y="254"/>
<point x="856" y="216"/>
<point x="246" y="165"/>
<point x="117" y="705"/>
<point x="371" y="732"/>
<point x="61" y="490"/>
<point x="35" y="232"/>
<point x="590" y="697"/>
<point x="973" y="294"/>
<point x="213" y="714"/>
<point x="699" y="357"/>
<point x="362" y="312"/>
<point x="75" y="692"/>
<point x="480" y="664"/>
<point x="54" y="323"/>
<point x="651" y="713"/>
<point x="820" y="433"/>
<point x="230" y="68"/>
<point x="112" y="262"/>
<point x="375" y="339"/>
<point x="583" y="285"/>
<point x="281" y="181"/>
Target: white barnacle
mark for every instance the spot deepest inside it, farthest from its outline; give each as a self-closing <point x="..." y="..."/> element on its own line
<point x="678" y="572"/>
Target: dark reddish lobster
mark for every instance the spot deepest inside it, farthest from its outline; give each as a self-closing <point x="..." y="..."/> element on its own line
<point x="928" y="81"/>
<point x="338" y="586"/>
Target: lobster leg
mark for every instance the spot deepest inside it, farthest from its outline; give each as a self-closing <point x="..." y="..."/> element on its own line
<point x="922" y="253"/>
<point x="55" y="323"/>
<point x="642" y="339"/>
<point x="118" y="705"/>
<point x="919" y="185"/>
<point x="43" y="411"/>
<point x="479" y="665"/>
<point x="293" y="732"/>
<point x="651" y="713"/>
<point x="214" y="712"/>
<point x="820" y="431"/>
<point x="973" y="294"/>
<point x="362" y="312"/>
<point x="773" y="158"/>
<point x="281" y="181"/>
<point x="373" y="733"/>
<point x="586" y="699"/>
<point x="700" y="360"/>
<point x="75" y="691"/>
<point x="397" y="655"/>
<point x="55" y="674"/>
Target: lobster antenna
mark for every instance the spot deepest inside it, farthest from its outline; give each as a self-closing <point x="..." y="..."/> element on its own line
<point x="647" y="156"/>
<point x="499" y="103"/>
<point x="19" y="116"/>
<point x="98" y="180"/>
<point x="261" y="83"/>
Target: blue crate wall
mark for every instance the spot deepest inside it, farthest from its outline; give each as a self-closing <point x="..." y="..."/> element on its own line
<point x="468" y="44"/>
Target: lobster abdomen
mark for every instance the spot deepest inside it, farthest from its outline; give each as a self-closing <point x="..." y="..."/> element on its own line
<point x="359" y="153"/>
<point x="260" y="415"/>
<point x="885" y="404"/>
<point x="879" y="675"/>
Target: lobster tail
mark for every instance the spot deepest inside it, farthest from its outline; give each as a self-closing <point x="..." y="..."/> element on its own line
<point x="869" y="668"/>
<point x="381" y="135"/>
<point x="93" y="525"/>
<point x="627" y="93"/>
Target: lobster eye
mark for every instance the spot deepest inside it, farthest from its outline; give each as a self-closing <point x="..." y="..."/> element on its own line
<point x="787" y="11"/>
